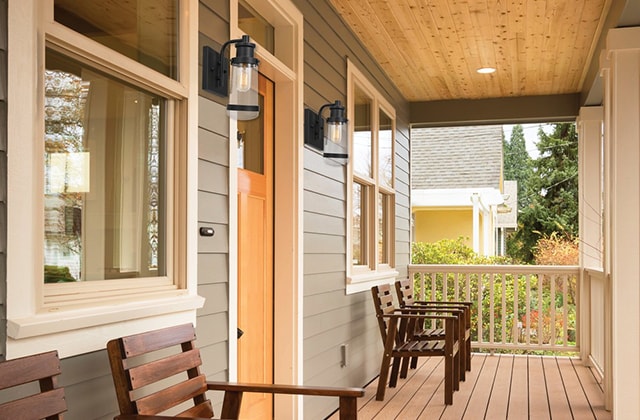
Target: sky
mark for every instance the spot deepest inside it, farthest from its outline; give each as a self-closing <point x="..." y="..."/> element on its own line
<point x="530" y="135"/>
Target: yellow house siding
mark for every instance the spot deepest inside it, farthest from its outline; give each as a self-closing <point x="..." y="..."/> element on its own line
<point x="434" y="225"/>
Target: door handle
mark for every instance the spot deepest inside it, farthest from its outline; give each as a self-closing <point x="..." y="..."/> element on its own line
<point x="240" y="332"/>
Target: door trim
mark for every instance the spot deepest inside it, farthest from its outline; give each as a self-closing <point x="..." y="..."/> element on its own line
<point x="288" y="211"/>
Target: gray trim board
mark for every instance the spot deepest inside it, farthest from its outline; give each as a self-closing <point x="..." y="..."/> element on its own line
<point x="523" y="109"/>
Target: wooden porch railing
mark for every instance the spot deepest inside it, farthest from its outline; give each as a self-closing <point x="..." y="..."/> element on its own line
<point x="516" y="307"/>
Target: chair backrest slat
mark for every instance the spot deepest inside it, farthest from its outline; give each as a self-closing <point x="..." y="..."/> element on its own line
<point x="42" y="369"/>
<point x="135" y="345"/>
<point x="171" y="396"/>
<point x="157" y="370"/>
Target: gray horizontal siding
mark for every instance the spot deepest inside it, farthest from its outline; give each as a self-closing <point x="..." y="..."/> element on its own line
<point x="332" y="318"/>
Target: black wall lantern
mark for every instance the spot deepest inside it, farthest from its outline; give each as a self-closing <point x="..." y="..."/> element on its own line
<point x="243" y="95"/>
<point x="332" y="140"/>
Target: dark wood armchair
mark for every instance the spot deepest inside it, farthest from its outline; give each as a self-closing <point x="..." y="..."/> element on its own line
<point x="43" y="368"/>
<point x="405" y="292"/>
<point x="134" y="366"/>
<point x="396" y="329"/>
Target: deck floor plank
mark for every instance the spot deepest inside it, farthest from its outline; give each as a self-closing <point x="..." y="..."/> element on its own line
<point x="578" y="402"/>
<point x="519" y="392"/>
<point x="538" y="401"/>
<point x="558" y="403"/>
<point x="428" y="391"/>
<point x="478" y="400"/>
<point x="503" y="386"/>
<point x="592" y="389"/>
<point x="499" y="398"/>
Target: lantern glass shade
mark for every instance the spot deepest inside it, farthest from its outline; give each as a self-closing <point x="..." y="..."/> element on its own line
<point x="336" y="145"/>
<point x="243" y="92"/>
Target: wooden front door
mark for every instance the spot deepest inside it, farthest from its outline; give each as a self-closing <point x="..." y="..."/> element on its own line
<point x="255" y="253"/>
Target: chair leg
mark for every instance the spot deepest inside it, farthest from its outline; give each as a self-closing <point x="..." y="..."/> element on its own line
<point x="405" y="367"/>
<point x="394" y="372"/>
<point x="448" y="380"/>
<point x="468" y="355"/>
<point x="457" y="371"/>
<point x="414" y="362"/>
<point x="384" y="374"/>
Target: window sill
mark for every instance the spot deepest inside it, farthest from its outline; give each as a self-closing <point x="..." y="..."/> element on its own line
<point x="81" y="330"/>
<point x="361" y="282"/>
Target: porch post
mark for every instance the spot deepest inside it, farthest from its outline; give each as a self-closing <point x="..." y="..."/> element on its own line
<point x="476" y="222"/>
<point x="621" y="80"/>
<point x="589" y="125"/>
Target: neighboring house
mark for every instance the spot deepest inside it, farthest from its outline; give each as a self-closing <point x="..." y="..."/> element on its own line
<point x="456" y="185"/>
<point x="162" y="227"/>
<point x="507" y="220"/>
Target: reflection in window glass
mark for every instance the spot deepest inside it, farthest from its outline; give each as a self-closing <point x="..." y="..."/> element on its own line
<point x="362" y="140"/>
<point x="385" y="150"/>
<point x="257" y="27"/>
<point x="250" y="137"/>
<point x="143" y="30"/>
<point x="104" y="176"/>
<point x="358" y="225"/>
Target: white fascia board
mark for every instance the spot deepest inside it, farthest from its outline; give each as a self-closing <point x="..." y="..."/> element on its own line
<point x="455" y="197"/>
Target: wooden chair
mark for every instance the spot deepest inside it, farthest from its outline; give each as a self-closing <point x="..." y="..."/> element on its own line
<point x="43" y="368"/>
<point x="405" y="292"/>
<point x="396" y="326"/>
<point x="134" y="366"/>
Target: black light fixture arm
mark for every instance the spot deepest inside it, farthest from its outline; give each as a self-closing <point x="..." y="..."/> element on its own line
<point x="216" y="65"/>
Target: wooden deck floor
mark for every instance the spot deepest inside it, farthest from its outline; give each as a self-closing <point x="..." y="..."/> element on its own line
<point x="498" y="387"/>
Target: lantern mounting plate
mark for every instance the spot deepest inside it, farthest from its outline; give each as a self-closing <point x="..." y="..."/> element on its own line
<point x="215" y="72"/>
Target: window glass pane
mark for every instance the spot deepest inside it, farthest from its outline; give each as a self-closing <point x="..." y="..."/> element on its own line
<point x="362" y="139"/>
<point x="143" y="30"/>
<point x="250" y="137"/>
<point x="385" y="151"/>
<point x="105" y="210"/>
<point x="260" y="31"/>
<point x="359" y="226"/>
<point x="383" y="229"/>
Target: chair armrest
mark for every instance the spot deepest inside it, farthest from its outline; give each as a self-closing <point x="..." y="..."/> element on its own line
<point x="411" y="314"/>
<point x="286" y="389"/>
<point x="233" y="396"/>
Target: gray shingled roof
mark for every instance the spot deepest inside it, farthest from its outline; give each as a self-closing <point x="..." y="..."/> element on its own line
<point x="456" y="157"/>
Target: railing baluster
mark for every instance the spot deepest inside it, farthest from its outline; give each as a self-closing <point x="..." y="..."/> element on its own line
<point x="503" y="311"/>
<point x="540" y="309"/>
<point x="492" y="308"/>
<point x="480" y="308"/>
<point x="552" y="311"/>
<point x="468" y="287"/>
<point x="565" y="315"/>
<point x="516" y="318"/>
<point x="528" y="303"/>
<point x="456" y="285"/>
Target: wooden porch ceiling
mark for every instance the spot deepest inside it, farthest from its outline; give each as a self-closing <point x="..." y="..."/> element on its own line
<point x="545" y="52"/>
<point x="432" y="49"/>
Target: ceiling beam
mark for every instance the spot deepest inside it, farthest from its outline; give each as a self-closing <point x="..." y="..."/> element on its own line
<point x="523" y="109"/>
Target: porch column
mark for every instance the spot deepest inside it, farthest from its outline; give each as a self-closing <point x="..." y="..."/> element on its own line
<point x="621" y="80"/>
<point x="589" y="124"/>
<point x="475" y="199"/>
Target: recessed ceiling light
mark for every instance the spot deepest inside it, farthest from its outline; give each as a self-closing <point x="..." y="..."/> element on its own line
<point x="486" y="70"/>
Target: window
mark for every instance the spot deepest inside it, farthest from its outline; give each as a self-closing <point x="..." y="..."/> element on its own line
<point x="372" y="195"/>
<point x="104" y="140"/>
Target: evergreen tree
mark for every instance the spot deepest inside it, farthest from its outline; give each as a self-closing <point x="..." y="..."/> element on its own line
<point x="517" y="163"/>
<point x="552" y="192"/>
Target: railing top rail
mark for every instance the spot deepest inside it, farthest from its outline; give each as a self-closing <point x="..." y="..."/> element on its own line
<point x="507" y="269"/>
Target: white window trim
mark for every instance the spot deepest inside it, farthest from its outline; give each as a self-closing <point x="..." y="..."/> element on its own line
<point x="83" y="328"/>
<point x="359" y="277"/>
